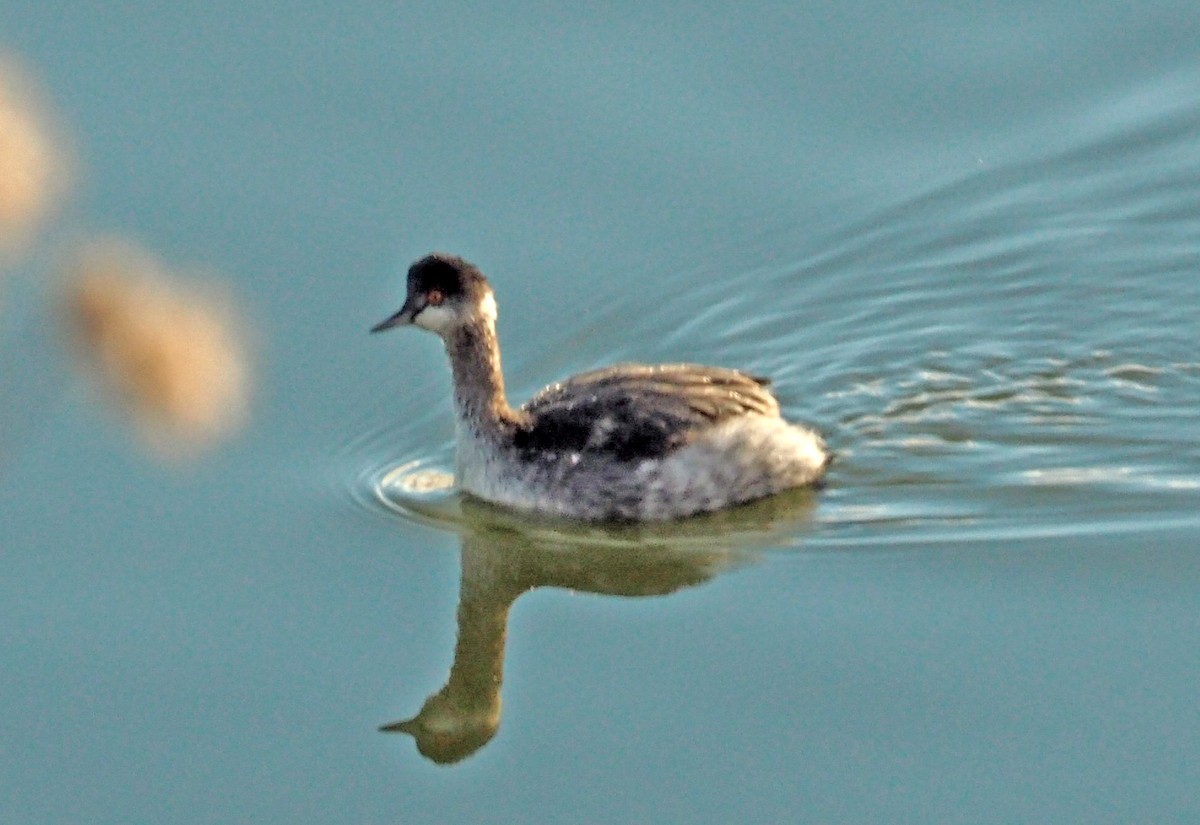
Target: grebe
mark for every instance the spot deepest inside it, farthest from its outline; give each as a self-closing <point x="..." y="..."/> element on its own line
<point x="628" y="442"/>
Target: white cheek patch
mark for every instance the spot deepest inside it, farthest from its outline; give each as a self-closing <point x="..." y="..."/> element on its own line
<point x="437" y="319"/>
<point x="487" y="307"/>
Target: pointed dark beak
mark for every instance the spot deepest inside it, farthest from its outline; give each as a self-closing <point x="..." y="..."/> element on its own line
<point x="408" y="726"/>
<point x="401" y="319"/>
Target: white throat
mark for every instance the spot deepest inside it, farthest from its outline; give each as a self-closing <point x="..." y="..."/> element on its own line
<point x="442" y="319"/>
<point x="439" y="319"/>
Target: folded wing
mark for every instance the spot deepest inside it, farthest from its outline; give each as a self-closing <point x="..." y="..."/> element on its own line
<point x="634" y="411"/>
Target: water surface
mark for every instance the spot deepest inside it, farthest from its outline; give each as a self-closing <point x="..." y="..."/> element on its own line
<point x="964" y="244"/>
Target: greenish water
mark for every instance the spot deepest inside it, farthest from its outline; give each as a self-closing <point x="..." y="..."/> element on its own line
<point x="964" y="242"/>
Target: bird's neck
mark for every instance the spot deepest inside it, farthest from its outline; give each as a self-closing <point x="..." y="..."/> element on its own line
<point x="487" y="594"/>
<point x="478" y="380"/>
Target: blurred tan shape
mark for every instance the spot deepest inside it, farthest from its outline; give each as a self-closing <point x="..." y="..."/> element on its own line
<point x="32" y="163"/>
<point x="170" y="352"/>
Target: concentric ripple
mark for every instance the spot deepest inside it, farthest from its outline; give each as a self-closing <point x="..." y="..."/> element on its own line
<point x="1011" y="353"/>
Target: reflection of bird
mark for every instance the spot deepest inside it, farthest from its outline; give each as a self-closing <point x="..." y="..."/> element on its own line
<point x="501" y="560"/>
<point x="626" y="442"/>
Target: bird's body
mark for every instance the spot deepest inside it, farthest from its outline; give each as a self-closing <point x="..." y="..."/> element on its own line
<point x="631" y="441"/>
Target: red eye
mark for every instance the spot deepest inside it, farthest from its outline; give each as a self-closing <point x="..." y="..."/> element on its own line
<point x="434" y="297"/>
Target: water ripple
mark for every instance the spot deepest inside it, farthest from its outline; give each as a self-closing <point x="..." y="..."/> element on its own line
<point x="1013" y="349"/>
<point x="1011" y="353"/>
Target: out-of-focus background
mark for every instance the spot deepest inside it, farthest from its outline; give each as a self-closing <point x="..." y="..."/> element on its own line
<point x="963" y="240"/>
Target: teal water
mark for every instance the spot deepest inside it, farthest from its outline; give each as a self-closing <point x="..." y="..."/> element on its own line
<point x="964" y="243"/>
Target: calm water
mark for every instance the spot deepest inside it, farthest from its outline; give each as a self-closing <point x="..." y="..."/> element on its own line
<point x="964" y="242"/>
